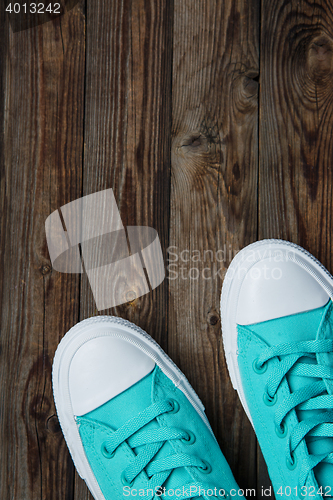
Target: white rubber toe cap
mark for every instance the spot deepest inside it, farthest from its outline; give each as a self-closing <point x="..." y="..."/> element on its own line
<point x="102" y="368"/>
<point x="276" y="289"/>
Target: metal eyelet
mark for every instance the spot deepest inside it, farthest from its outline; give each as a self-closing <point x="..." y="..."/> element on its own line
<point x="175" y="406"/>
<point x="259" y="369"/>
<point x="281" y="430"/>
<point x="207" y="469"/>
<point x="291" y="464"/>
<point x="125" y="481"/>
<point x="269" y="400"/>
<point x="106" y="453"/>
<point x="190" y="439"/>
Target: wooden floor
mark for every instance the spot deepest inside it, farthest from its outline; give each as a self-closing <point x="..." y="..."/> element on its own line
<point x="212" y="122"/>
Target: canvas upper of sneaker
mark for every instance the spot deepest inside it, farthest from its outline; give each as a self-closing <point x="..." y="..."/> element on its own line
<point x="144" y="428"/>
<point x="285" y="403"/>
<point x="178" y="455"/>
<point x="277" y="324"/>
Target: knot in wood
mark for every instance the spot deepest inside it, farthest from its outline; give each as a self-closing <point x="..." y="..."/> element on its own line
<point x="45" y="269"/>
<point x="251" y="85"/>
<point x="39" y="407"/>
<point x="213" y="318"/>
<point x="245" y="87"/>
<point x="52" y="424"/>
<point x="196" y="152"/>
<point x="319" y="58"/>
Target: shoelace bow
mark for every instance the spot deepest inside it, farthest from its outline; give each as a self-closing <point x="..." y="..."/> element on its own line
<point x="313" y="396"/>
<point x="158" y="470"/>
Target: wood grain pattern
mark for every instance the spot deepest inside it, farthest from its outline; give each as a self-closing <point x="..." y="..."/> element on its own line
<point x="213" y="199"/>
<point x="127" y="135"/>
<point x="296" y="120"/>
<point x="42" y="170"/>
<point x="296" y="125"/>
<point x="127" y="130"/>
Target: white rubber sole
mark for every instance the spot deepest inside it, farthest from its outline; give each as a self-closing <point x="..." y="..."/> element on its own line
<point x="231" y="289"/>
<point x="72" y="341"/>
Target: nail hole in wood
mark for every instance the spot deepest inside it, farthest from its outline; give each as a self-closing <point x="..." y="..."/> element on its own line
<point x="213" y="318"/>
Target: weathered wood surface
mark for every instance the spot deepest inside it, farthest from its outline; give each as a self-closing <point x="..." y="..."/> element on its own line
<point x="213" y="198"/>
<point x="127" y="135"/>
<point x="212" y="122"/>
<point x="295" y="126"/>
<point x="42" y="122"/>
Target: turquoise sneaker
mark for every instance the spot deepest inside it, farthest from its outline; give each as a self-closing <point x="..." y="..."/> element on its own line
<point x="133" y="424"/>
<point x="277" y="323"/>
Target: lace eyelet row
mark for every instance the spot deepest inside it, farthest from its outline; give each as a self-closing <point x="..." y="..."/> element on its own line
<point x="189" y="439"/>
<point x="281" y="430"/>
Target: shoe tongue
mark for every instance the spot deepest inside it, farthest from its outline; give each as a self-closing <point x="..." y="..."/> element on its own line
<point x="309" y="325"/>
<point x="129" y="404"/>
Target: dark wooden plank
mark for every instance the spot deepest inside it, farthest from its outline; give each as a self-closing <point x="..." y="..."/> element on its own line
<point x="213" y="199"/>
<point x="128" y="123"/>
<point x="127" y="134"/>
<point x="43" y="71"/>
<point x="296" y="125"/>
<point x="296" y="109"/>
